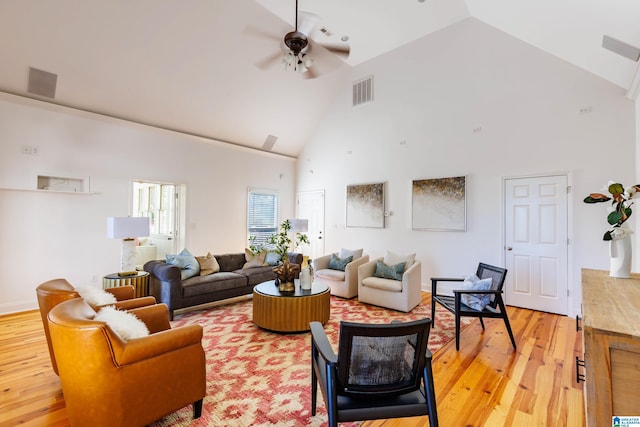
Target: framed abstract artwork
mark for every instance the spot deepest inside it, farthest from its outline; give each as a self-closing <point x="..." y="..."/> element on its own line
<point x="439" y="204"/>
<point x="365" y="205"/>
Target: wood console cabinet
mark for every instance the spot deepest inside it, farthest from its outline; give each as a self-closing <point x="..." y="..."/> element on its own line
<point x="611" y="333"/>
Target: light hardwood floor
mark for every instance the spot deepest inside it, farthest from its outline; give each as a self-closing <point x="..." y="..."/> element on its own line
<point x="485" y="384"/>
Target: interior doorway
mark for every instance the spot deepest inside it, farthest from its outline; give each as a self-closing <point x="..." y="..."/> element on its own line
<point x="536" y="242"/>
<point x="164" y="204"/>
<point x="310" y="206"/>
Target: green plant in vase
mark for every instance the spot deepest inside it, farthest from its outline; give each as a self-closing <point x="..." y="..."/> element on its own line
<point x="620" y="207"/>
<point x="282" y="242"/>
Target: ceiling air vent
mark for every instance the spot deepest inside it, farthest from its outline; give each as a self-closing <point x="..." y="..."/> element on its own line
<point x="363" y="91"/>
<point x="269" y="142"/>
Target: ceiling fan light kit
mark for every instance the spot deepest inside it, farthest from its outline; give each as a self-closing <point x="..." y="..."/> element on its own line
<point x="296" y="47"/>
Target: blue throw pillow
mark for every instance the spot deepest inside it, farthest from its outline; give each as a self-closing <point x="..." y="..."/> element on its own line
<point x="336" y="263"/>
<point x="187" y="263"/>
<point x="272" y="258"/>
<point x="476" y="301"/>
<point x="393" y="272"/>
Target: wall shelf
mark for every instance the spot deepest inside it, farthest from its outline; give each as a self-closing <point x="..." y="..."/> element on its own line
<point x="58" y="184"/>
<point x="35" y="190"/>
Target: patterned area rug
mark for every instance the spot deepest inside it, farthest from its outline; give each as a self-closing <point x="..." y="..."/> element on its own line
<point x="260" y="378"/>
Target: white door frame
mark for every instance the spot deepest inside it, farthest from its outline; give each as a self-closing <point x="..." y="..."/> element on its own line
<point x="573" y="304"/>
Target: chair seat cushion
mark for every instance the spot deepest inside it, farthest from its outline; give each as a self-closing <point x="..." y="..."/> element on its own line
<point x="449" y="302"/>
<point x="383" y="284"/>
<point x="330" y="274"/>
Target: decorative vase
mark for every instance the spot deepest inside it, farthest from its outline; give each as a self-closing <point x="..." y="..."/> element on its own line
<point x="305" y="278"/>
<point x="286" y="287"/>
<point x="620" y="254"/>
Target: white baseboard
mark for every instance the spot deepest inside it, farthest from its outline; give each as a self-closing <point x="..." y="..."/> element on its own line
<point x="16" y="307"/>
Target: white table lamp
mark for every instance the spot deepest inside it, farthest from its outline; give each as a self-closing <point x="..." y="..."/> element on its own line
<point x="127" y="229"/>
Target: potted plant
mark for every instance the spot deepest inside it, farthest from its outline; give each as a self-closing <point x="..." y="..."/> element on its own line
<point x="619" y="238"/>
<point x="621" y="206"/>
<point x="281" y="240"/>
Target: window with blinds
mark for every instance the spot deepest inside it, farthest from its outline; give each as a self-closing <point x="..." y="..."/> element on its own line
<point x="262" y="215"/>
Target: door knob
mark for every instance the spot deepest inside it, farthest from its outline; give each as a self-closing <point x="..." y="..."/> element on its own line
<point x="509" y="248"/>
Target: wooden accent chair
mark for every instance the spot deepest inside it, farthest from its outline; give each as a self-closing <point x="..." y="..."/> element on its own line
<point x="380" y="371"/>
<point x="453" y="303"/>
<point x="53" y="292"/>
<point x="108" y="381"/>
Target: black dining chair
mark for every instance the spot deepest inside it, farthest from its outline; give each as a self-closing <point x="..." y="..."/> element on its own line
<point x="381" y="371"/>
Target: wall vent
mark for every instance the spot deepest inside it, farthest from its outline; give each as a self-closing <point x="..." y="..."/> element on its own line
<point x="42" y="83"/>
<point x="363" y="91"/>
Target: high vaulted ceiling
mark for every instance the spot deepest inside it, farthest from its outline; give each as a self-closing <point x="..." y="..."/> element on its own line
<point x="191" y="65"/>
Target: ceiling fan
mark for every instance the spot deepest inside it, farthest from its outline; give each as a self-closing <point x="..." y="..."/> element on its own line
<point x="296" y="45"/>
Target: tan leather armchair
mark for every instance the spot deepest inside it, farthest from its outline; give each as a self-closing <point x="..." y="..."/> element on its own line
<point x="107" y="381"/>
<point x="53" y="292"/>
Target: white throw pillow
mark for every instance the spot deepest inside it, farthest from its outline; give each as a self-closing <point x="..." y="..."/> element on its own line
<point x="96" y="297"/>
<point x="123" y="323"/>
<point x="392" y="258"/>
<point x="355" y="253"/>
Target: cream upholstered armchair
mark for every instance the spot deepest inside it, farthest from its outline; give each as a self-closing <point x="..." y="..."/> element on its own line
<point x="110" y="378"/>
<point x="339" y="271"/>
<point x="55" y="291"/>
<point x="392" y="282"/>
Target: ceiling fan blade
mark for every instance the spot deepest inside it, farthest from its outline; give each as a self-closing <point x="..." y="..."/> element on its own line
<point x="307" y="22"/>
<point x="340" y="50"/>
<point x="309" y="74"/>
<point x="269" y="61"/>
<point x="259" y="32"/>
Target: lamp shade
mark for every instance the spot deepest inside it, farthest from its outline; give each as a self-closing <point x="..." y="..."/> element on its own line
<point x="299" y="225"/>
<point x="127" y="227"/>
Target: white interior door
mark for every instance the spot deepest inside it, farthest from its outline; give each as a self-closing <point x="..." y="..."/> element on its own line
<point x="536" y="243"/>
<point x="310" y="206"/>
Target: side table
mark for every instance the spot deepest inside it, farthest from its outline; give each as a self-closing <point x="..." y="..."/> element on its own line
<point x="139" y="281"/>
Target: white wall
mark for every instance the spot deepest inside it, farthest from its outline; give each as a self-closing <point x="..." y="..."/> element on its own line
<point x="49" y="235"/>
<point x="435" y="95"/>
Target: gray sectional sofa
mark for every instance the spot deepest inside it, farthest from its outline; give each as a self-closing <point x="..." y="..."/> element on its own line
<point x="166" y="285"/>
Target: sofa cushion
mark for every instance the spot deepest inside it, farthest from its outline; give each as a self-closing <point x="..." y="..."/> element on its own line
<point x="337" y="263"/>
<point x="187" y="263"/>
<point x="231" y="262"/>
<point x="208" y="264"/>
<point x="257" y="275"/>
<point x="200" y="285"/>
<point x="383" y="284"/>
<point x="393" y="272"/>
<point x="329" y="274"/>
